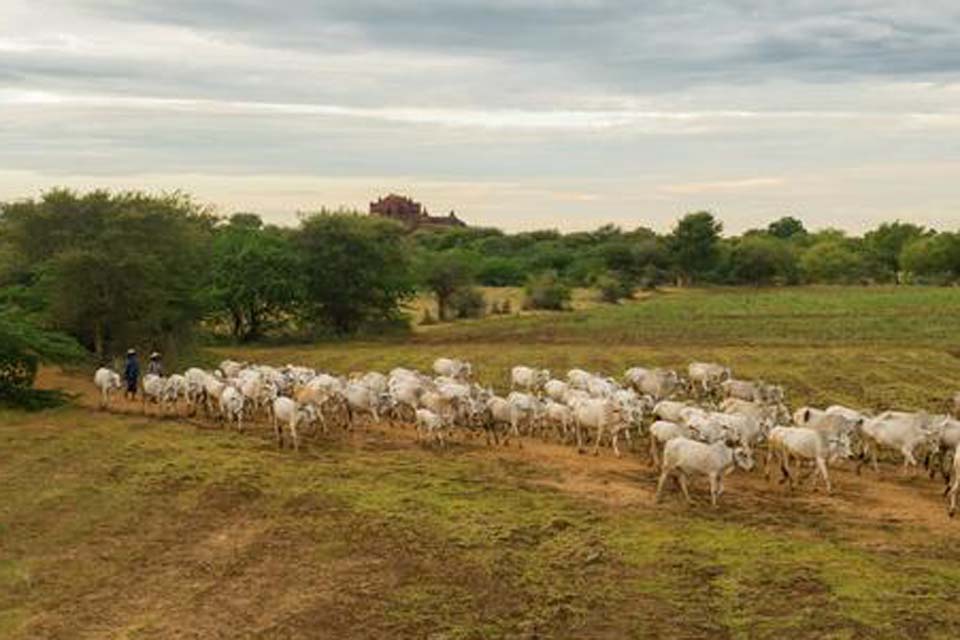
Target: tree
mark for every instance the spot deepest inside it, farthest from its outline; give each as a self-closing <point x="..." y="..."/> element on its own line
<point x="694" y="245"/>
<point x="786" y="228"/>
<point x="444" y="274"/>
<point x="762" y="260"/>
<point x="23" y="345"/>
<point x="112" y="269"/>
<point x="933" y="258"/>
<point x="546" y="291"/>
<point x="355" y="270"/>
<point x="886" y="243"/>
<point x="832" y="261"/>
<point x="499" y="271"/>
<point x="255" y="277"/>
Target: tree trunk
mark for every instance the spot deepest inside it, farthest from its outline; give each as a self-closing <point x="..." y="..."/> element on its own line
<point x="237" y="325"/>
<point x="442" y="306"/>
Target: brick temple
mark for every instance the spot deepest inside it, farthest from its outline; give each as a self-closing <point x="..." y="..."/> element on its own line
<point x="411" y="213"/>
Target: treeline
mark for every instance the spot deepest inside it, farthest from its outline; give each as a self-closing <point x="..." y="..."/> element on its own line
<point x="119" y="269"/>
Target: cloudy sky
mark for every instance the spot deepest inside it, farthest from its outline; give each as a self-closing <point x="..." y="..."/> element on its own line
<point x="517" y="113"/>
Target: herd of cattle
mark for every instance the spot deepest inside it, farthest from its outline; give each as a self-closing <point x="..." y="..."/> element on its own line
<point x="706" y="423"/>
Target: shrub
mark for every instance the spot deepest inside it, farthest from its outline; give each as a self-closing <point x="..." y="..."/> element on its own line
<point x="467" y="302"/>
<point x="546" y="291"/>
<point x="613" y="288"/>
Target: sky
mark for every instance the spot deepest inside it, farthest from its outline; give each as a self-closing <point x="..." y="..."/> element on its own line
<point x="519" y="114"/>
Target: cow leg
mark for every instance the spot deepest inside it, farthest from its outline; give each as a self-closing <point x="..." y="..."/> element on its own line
<point x="663" y="479"/>
<point x="294" y="432"/>
<point x="786" y="474"/>
<point x="596" y="445"/>
<point x="822" y="466"/>
<point x="654" y="454"/>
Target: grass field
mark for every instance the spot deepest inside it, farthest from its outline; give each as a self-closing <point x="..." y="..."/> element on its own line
<point x="113" y="525"/>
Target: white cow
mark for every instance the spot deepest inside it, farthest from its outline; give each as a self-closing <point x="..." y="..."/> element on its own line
<point x="658" y="383"/>
<point x="174" y="388"/>
<point x="430" y="425"/>
<point x="556" y="390"/>
<point x="578" y="378"/>
<point x="108" y="382"/>
<point x="559" y="416"/>
<point x="525" y="409"/>
<point x="287" y="411"/>
<point x="231" y="405"/>
<point x="804" y="443"/>
<point x="906" y="433"/>
<point x="152" y="389"/>
<point x="683" y="457"/>
<point x="362" y="399"/>
<point x="662" y="432"/>
<point x="528" y="379"/>
<point x="600" y="414"/>
<point x="707" y="375"/>
<point x="670" y="410"/>
<point x="451" y="368"/>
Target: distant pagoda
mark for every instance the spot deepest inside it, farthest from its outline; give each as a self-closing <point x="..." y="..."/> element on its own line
<point x="411" y="213"/>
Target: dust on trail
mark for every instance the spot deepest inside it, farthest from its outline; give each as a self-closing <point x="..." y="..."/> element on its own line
<point x="869" y="503"/>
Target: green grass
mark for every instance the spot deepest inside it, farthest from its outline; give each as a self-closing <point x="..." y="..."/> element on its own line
<point x="801" y="316"/>
<point x="112" y="526"/>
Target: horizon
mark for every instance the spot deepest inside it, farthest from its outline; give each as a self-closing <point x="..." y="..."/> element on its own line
<point x="519" y="115"/>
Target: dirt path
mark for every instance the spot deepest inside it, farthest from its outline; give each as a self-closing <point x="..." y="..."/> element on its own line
<point x="868" y="504"/>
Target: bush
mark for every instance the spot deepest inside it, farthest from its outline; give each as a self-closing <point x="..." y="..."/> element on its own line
<point x="467" y="302"/>
<point x="546" y="291"/>
<point x="613" y="288"/>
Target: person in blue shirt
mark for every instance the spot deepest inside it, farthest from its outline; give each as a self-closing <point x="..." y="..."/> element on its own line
<point x="131" y="374"/>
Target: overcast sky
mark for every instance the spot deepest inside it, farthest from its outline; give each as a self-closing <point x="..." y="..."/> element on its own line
<point x="517" y="113"/>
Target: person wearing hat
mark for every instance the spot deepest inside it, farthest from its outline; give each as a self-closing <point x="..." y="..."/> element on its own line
<point x="155" y="366"/>
<point x="131" y="374"/>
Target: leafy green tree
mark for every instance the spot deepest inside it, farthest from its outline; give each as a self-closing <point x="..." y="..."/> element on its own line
<point x="468" y="302"/>
<point x="547" y="291"/>
<point x="24" y="345"/>
<point x="762" y="260"/>
<point x="786" y="228"/>
<point x="833" y="261"/>
<point x="356" y="271"/>
<point x="255" y="277"/>
<point x="112" y="269"/>
<point x="932" y="258"/>
<point x="694" y="245"/>
<point x="500" y="271"/>
<point x="444" y="274"/>
<point x="886" y="243"/>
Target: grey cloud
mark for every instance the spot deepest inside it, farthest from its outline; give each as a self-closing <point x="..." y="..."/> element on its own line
<point x="641" y="45"/>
